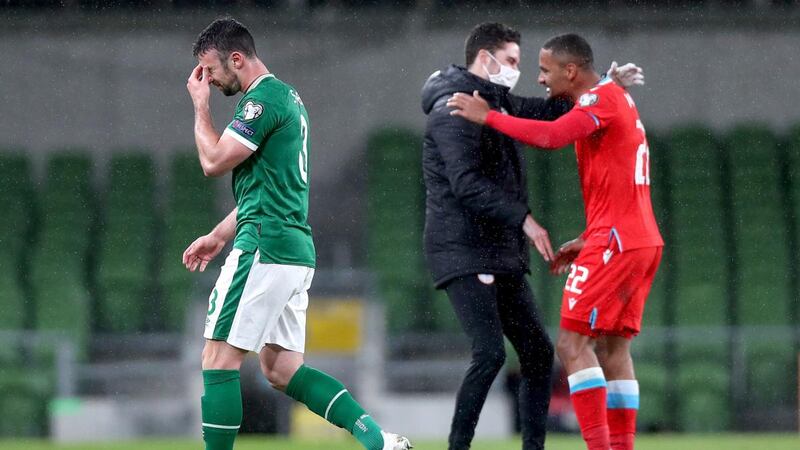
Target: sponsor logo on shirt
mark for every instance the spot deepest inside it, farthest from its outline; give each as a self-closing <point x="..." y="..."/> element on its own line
<point x="588" y="99"/>
<point x="607" y="255"/>
<point x="238" y="125"/>
<point x="252" y="110"/>
<point x="572" y="302"/>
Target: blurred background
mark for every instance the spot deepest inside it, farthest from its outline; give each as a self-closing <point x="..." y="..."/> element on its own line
<point x="101" y="191"/>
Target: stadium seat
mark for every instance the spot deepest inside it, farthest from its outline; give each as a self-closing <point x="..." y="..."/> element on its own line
<point x="126" y="245"/>
<point x="15" y="200"/>
<point x="704" y="411"/>
<point x="771" y="373"/>
<point x="190" y="212"/>
<point x="12" y="300"/>
<point x="697" y="241"/>
<point x="23" y="402"/>
<point x="652" y="403"/>
<point x="394" y="247"/>
<point x="703" y="403"/>
<point x="63" y="306"/>
<point x="759" y="226"/>
<point x="59" y="260"/>
<point x="792" y="149"/>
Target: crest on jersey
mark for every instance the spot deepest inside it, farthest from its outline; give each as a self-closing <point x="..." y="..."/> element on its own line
<point x="588" y="99"/>
<point x="252" y="110"/>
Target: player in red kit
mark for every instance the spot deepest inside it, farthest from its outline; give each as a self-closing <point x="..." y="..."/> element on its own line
<point x="613" y="263"/>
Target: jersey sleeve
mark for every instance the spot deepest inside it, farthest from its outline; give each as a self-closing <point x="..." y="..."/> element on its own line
<point x="599" y="104"/>
<point x="253" y="122"/>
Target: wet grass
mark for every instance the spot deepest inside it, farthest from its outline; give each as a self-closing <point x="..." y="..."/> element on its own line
<point x="555" y="442"/>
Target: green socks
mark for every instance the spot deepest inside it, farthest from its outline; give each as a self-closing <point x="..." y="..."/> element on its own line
<point x="222" y="408"/>
<point x="323" y="394"/>
<point x="328" y="398"/>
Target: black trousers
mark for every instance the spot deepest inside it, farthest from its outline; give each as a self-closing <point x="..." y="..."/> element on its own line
<point x="487" y="312"/>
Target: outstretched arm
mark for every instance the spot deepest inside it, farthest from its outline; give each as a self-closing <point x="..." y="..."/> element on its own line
<point x="218" y="154"/>
<point x="205" y="248"/>
<point x="563" y="131"/>
<point x="547" y="135"/>
<point x="627" y="75"/>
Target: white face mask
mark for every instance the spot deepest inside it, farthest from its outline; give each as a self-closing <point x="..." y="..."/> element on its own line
<point x="507" y="76"/>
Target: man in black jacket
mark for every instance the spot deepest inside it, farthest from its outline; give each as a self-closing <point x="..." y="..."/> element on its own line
<point x="476" y="225"/>
<point x="477" y="222"/>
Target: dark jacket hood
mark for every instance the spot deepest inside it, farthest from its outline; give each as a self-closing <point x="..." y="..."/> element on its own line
<point x="444" y="83"/>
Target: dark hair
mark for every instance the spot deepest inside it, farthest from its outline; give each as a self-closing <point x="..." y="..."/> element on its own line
<point x="488" y="36"/>
<point x="225" y="35"/>
<point x="574" y="47"/>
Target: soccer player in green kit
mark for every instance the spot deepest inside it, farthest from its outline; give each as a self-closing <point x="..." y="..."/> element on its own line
<point x="260" y="299"/>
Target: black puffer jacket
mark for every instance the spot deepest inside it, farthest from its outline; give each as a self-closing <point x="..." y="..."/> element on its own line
<point x="475" y="180"/>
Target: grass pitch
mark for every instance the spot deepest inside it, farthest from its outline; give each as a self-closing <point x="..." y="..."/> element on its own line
<point x="554" y="442"/>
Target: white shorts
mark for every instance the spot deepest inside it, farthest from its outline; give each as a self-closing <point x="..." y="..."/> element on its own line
<point x="255" y="304"/>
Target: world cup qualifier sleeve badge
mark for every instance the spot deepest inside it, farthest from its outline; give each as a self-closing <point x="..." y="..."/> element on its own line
<point x="252" y="111"/>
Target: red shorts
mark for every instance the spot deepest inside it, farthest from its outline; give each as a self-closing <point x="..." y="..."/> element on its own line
<point x="606" y="290"/>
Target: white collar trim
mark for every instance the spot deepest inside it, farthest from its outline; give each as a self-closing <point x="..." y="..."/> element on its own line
<point x="258" y="80"/>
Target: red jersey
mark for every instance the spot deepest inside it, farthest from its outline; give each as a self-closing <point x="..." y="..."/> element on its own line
<point x="614" y="168"/>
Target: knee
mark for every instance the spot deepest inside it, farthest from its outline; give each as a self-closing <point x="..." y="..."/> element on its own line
<point x="277" y="376"/>
<point x="612" y="361"/>
<point x="216" y="356"/>
<point x="568" y="350"/>
<point x="490" y="359"/>
<point x="539" y="362"/>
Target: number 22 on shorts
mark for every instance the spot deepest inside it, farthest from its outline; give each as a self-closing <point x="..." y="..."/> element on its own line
<point x="577" y="275"/>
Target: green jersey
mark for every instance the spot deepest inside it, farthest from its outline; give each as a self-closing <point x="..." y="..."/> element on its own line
<point x="271" y="187"/>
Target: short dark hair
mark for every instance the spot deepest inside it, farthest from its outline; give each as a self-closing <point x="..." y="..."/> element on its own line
<point x="225" y="35"/>
<point x="574" y="47"/>
<point x="489" y="36"/>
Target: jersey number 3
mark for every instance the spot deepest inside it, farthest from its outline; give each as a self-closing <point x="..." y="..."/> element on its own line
<point x="642" y="175"/>
<point x="302" y="159"/>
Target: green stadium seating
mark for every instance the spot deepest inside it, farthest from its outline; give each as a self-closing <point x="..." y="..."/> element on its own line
<point x="59" y="263"/>
<point x="652" y="379"/>
<point x="394" y="247"/>
<point x="697" y="240"/>
<point x="126" y="245"/>
<point x="704" y="401"/>
<point x="23" y="402"/>
<point x="759" y="226"/>
<point x="12" y="300"/>
<point x="704" y="411"/>
<point x="63" y="306"/>
<point x="771" y="373"/>
<point x="190" y="213"/>
<point x="16" y="197"/>
<point x="792" y="149"/>
<point x="542" y="283"/>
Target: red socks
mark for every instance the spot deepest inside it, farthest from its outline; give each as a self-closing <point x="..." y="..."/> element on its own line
<point x="606" y="412"/>
<point x="623" y="403"/>
<point x="588" y="392"/>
